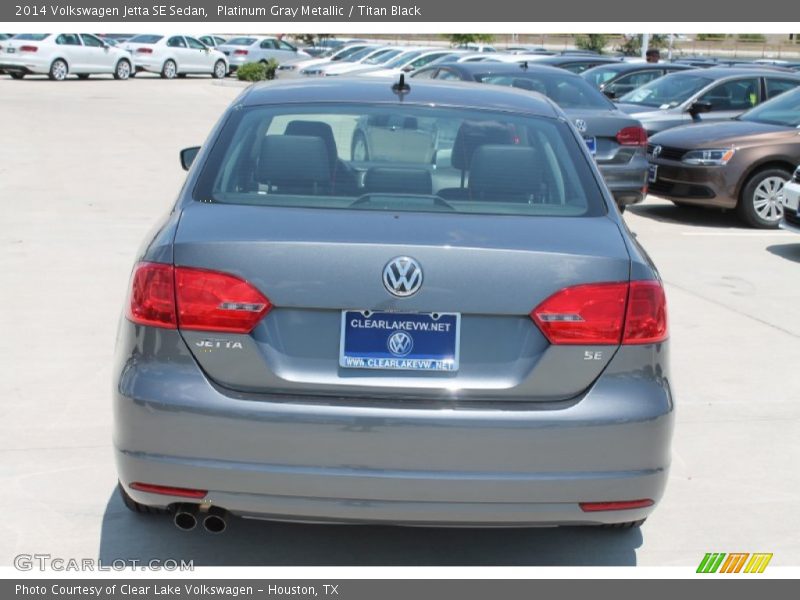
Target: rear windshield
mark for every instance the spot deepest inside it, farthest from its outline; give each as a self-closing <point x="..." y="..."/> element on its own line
<point x="33" y="37"/>
<point x="408" y="158"/>
<point x="568" y="91"/>
<point x="145" y="39"/>
<point x="241" y="41"/>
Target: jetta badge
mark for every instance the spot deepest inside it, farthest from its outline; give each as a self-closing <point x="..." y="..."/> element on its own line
<point x="402" y="276"/>
<point x="581" y="126"/>
<point x="656" y="151"/>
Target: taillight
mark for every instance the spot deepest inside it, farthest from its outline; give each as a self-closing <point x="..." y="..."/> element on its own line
<point x="604" y="314"/>
<point x="167" y="490"/>
<point x="28" y="48"/>
<point x="615" y="505"/>
<point x="212" y="301"/>
<point x="144" y="50"/>
<point x="632" y="136"/>
<point x="240" y="52"/>
<point x="166" y="296"/>
<point x="152" y="296"/>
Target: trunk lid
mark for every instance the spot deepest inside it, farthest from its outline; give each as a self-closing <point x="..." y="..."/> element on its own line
<point x="492" y="270"/>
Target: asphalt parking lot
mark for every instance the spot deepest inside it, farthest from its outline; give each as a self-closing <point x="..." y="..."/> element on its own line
<point x="86" y="168"/>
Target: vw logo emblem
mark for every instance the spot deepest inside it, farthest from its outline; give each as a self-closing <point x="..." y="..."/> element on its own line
<point x="402" y="276"/>
<point x="580" y="124"/>
<point x="400" y="343"/>
<point x="656" y="151"/>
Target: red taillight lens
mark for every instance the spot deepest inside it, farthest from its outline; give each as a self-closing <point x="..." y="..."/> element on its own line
<point x="28" y="48"/>
<point x="584" y="314"/>
<point x="240" y="52"/>
<point x="197" y="299"/>
<point x="616" y="505"/>
<point x="646" y="317"/>
<point x="144" y="50"/>
<point x="632" y="136"/>
<point x="152" y="296"/>
<point x="212" y="301"/>
<point x="168" y="490"/>
<point x="605" y="314"/>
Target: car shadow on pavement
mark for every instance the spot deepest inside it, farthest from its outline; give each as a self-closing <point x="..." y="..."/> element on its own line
<point x="129" y="536"/>
<point x="787" y="251"/>
<point x="696" y="216"/>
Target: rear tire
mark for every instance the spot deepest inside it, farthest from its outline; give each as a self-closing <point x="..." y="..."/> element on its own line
<point x="58" y="70"/>
<point x="17" y="75"/>
<point x="123" y="70"/>
<point x="759" y="203"/>
<point x="134" y="506"/>
<point x="169" y="70"/>
<point x="220" y="70"/>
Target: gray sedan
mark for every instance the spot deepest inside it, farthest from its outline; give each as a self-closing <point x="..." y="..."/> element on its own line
<point x="312" y="338"/>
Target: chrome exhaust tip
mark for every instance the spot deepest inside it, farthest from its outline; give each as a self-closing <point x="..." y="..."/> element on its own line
<point x="185" y="517"/>
<point x="216" y="520"/>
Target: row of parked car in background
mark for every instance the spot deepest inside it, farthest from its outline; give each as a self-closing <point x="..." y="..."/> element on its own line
<point x="695" y="130"/>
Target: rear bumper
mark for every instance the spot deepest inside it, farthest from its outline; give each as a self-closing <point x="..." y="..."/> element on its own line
<point x="317" y="459"/>
<point x="25" y="69"/>
<point x="626" y="182"/>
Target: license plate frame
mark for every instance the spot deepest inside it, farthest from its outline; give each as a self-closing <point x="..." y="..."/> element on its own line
<point x="435" y="341"/>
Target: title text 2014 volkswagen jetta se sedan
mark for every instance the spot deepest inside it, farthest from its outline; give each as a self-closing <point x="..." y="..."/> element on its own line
<point x="456" y="329"/>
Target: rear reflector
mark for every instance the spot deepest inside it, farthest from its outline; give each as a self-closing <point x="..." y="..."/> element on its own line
<point x="618" y="505"/>
<point x="604" y="314"/>
<point x="240" y="52"/>
<point x="168" y="490"/>
<point x="197" y="299"/>
<point x="632" y="136"/>
<point x="28" y="48"/>
<point x="144" y="50"/>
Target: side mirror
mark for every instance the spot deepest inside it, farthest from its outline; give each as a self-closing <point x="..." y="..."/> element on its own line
<point x="407" y="69"/>
<point x="188" y="155"/>
<point x="698" y="107"/>
<point x="610" y="94"/>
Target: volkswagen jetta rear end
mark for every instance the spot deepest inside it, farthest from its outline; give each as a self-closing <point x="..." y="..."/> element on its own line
<point x="455" y="329"/>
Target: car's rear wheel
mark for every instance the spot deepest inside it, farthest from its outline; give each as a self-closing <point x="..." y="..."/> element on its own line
<point x="169" y="70"/>
<point x="123" y="70"/>
<point x="220" y="70"/>
<point x="17" y="75"/>
<point x="760" y="201"/>
<point x="58" y="70"/>
<point x="358" y="147"/>
<point x="136" y="507"/>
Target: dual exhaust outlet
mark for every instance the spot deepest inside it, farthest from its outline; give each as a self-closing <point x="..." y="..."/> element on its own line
<point x="214" y="520"/>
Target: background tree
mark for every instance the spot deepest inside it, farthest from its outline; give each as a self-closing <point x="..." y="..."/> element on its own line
<point x="461" y="39"/>
<point x="632" y="44"/>
<point x="595" y="42"/>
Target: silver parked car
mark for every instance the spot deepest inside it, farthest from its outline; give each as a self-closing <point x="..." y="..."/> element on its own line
<point x="395" y="339"/>
<point x="252" y="49"/>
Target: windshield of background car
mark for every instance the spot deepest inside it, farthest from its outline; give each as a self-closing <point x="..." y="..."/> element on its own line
<point x="403" y="59"/>
<point x="599" y="75"/>
<point x="400" y="158"/>
<point x="382" y="57"/>
<point x="241" y="41"/>
<point x="566" y="91"/>
<point x="145" y="39"/>
<point x="783" y="110"/>
<point x="357" y="56"/>
<point x="668" y="91"/>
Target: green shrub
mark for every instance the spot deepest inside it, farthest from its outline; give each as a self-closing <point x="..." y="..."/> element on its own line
<point x="711" y="37"/>
<point x="752" y="37"/>
<point x="593" y="41"/>
<point x="260" y="71"/>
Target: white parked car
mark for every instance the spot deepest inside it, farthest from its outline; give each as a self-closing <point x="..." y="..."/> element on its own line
<point x="59" y="55"/>
<point x="175" y="56"/>
<point x="791" y="203"/>
<point x="406" y="62"/>
<point x="367" y="58"/>
<point x="292" y="68"/>
<point x="251" y="49"/>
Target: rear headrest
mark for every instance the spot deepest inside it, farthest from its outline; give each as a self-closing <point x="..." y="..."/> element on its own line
<point x="505" y="173"/>
<point x="472" y="134"/>
<point x="293" y="160"/>
<point x="316" y="129"/>
<point x="398" y="181"/>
